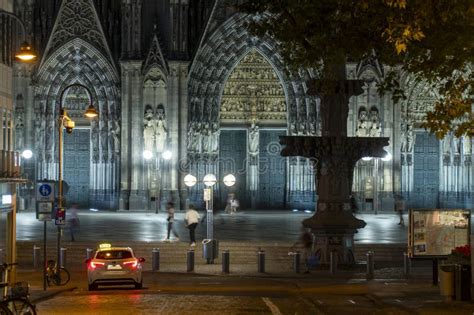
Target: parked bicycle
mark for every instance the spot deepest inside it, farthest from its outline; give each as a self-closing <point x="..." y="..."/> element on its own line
<point x="56" y="276"/>
<point x="16" y="301"/>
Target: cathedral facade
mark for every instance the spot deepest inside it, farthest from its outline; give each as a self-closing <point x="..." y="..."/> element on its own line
<point x="182" y="88"/>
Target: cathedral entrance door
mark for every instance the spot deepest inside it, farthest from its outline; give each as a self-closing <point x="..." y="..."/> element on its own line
<point x="425" y="171"/>
<point x="271" y="171"/>
<point x="77" y="166"/>
<point x="232" y="160"/>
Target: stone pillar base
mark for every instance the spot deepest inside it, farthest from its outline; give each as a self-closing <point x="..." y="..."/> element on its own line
<point x="334" y="231"/>
<point x="343" y="244"/>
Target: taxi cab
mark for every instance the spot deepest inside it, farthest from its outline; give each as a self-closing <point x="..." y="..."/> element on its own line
<point x="114" y="266"/>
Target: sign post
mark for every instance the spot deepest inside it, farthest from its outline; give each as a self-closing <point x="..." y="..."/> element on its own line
<point x="44" y="212"/>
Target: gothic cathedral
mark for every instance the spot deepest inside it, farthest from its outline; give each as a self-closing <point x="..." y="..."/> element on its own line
<point x="182" y="88"/>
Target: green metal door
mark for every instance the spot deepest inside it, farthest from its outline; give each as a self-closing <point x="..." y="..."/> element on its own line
<point x="77" y="166"/>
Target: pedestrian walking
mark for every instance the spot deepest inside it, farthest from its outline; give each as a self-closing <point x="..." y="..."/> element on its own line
<point x="72" y="220"/>
<point x="191" y="219"/>
<point x="234" y="204"/>
<point x="170" y="219"/>
<point x="400" y="208"/>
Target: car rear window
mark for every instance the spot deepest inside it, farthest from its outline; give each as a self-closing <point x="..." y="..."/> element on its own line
<point x="114" y="254"/>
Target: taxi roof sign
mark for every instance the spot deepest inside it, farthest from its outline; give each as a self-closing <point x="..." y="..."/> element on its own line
<point x="104" y="246"/>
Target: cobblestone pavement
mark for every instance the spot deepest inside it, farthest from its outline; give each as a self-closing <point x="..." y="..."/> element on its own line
<point x="200" y="294"/>
<point x="243" y="226"/>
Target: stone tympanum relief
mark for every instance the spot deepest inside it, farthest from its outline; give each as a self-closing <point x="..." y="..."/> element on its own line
<point x="253" y="91"/>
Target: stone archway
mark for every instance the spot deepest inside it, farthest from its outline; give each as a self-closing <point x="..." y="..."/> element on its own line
<point x="77" y="61"/>
<point x="214" y="62"/>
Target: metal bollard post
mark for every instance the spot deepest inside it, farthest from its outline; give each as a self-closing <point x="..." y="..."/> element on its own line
<point x="296" y="261"/>
<point x="333" y="262"/>
<point x="406" y="264"/>
<point x="261" y="260"/>
<point x="36" y="257"/>
<point x="190" y="260"/>
<point x="63" y="257"/>
<point x="370" y="265"/>
<point x="89" y="253"/>
<point x="155" y="259"/>
<point x="225" y="261"/>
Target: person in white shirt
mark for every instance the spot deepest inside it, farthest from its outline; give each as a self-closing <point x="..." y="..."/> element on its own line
<point x="191" y="219"/>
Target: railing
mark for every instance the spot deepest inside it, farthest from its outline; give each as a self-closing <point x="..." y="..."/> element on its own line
<point x="9" y="164"/>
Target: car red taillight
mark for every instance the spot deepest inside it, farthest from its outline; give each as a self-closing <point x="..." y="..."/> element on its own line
<point x="95" y="264"/>
<point x="131" y="263"/>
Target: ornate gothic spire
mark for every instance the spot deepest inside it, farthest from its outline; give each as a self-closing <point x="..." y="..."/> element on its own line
<point x="155" y="56"/>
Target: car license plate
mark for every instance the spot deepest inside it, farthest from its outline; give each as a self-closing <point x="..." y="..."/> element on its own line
<point x="114" y="267"/>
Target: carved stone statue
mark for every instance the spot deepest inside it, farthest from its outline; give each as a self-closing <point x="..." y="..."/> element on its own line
<point x="206" y="138"/>
<point x="410" y="138"/>
<point x="115" y="133"/>
<point x="375" y="126"/>
<point x="447" y="144"/>
<point x="467" y="145"/>
<point x="160" y="135"/>
<point x="456" y="145"/>
<point x="362" y="124"/>
<point x="149" y="135"/>
<point x="403" y="137"/>
<point x="215" y="138"/>
<point x="253" y="139"/>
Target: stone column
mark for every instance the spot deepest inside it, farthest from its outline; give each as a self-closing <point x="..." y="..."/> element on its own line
<point x="334" y="156"/>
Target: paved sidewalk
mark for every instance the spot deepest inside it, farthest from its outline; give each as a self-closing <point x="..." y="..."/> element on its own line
<point x="243" y="226"/>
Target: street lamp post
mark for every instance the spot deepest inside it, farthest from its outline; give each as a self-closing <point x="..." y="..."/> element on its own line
<point x="26" y="52"/>
<point x="65" y="121"/>
<point x="210" y="250"/>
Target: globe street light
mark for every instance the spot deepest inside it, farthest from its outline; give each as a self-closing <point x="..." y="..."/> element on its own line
<point x="210" y="250"/>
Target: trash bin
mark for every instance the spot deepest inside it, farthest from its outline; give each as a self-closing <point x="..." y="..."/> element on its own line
<point x="462" y="278"/>
<point x="210" y="250"/>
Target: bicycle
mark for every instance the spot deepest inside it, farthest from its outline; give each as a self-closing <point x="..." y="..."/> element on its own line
<point x="17" y="301"/>
<point x="55" y="276"/>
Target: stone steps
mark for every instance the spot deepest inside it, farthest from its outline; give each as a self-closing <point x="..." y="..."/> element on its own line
<point x="243" y="253"/>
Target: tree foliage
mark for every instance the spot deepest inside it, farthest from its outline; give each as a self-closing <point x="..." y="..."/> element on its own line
<point x="431" y="40"/>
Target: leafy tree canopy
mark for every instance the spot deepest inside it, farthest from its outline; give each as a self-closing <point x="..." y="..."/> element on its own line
<point x="431" y="40"/>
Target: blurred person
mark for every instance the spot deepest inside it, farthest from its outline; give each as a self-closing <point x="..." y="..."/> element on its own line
<point x="72" y="220"/>
<point x="191" y="219"/>
<point x="170" y="219"/>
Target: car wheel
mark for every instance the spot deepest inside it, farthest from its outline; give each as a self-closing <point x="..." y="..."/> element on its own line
<point x="139" y="285"/>
<point x="92" y="287"/>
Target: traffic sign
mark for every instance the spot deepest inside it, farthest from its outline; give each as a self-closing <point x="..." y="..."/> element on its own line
<point x="45" y="191"/>
<point x="60" y="217"/>
<point x="44" y="211"/>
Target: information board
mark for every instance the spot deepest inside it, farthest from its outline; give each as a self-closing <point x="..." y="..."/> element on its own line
<point x="436" y="232"/>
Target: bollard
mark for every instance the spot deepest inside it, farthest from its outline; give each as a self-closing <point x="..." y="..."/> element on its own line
<point x="406" y="264"/>
<point x="333" y="262"/>
<point x="190" y="260"/>
<point x="1" y="256"/>
<point x="370" y="265"/>
<point x="261" y="260"/>
<point x="63" y="257"/>
<point x="155" y="259"/>
<point x="89" y="253"/>
<point x="296" y="261"/>
<point x="225" y="261"/>
<point x="36" y="257"/>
